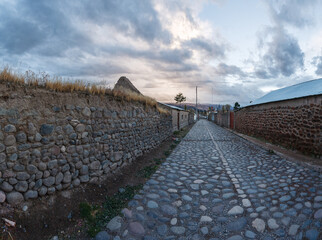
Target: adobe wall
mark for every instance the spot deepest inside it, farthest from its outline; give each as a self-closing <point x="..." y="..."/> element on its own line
<point x="183" y="119"/>
<point x="294" y="124"/>
<point x="222" y="119"/>
<point x="191" y="118"/>
<point x="53" y="141"/>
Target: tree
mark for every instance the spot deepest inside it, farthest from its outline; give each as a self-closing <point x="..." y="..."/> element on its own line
<point x="237" y="106"/>
<point x="179" y="98"/>
<point x="227" y="106"/>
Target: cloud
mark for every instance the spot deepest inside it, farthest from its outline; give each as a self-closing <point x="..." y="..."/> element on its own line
<point x="56" y="26"/>
<point x="38" y="27"/>
<point x="151" y="85"/>
<point x="282" y="57"/>
<point x="164" y="44"/>
<point x="225" y="70"/>
<point x="58" y="31"/>
<point x="317" y="62"/>
<point x="297" y="13"/>
<point x="279" y="52"/>
<point x="212" y="49"/>
<point x="18" y="36"/>
<point x="136" y="18"/>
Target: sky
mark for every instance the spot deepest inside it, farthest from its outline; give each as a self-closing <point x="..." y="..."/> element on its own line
<point x="234" y="51"/>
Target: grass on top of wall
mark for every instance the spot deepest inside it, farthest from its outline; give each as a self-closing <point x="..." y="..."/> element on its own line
<point x="58" y="84"/>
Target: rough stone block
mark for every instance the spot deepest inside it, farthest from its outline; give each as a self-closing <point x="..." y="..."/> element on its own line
<point x="10" y="140"/>
<point x="49" y="181"/>
<point x="30" y="194"/>
<point x="46" y="129"/>
<point x="12" y="150"/>
<point x="10" y="128"/>
<point x="14" y="198"/>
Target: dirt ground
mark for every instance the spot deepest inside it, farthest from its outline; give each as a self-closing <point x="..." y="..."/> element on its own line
<point x="59" y="215"/>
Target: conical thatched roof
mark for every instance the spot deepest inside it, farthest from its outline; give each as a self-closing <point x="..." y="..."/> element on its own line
<point x="125" y="84"/>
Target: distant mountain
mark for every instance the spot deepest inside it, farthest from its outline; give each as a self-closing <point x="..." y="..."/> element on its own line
<point x="202" y="107"/>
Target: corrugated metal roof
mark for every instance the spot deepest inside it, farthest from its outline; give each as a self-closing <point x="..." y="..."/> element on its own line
<point x="309" y="88"/>
<point x="173" y="107"/>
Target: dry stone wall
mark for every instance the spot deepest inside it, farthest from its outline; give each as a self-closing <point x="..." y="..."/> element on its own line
<point x="54" y="141"/>
<point x="295" y="124"/>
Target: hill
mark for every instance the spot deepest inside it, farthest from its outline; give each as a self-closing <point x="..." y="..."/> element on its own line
<point x="201" y="107"/>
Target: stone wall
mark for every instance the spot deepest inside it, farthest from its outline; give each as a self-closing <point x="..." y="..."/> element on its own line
<point x="294" y="124"/>
<point x="53" y="141"/>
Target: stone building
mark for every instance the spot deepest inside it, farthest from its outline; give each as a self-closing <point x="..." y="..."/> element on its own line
<point x="291" y="117"/>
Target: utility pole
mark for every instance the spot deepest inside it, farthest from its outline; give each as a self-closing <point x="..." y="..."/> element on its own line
<point x="197" y="114"/>
<point x="212" y="97"/>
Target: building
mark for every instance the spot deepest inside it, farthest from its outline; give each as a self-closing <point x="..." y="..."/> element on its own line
<point x="180" y="117"/>
<point x="290" y="116"/>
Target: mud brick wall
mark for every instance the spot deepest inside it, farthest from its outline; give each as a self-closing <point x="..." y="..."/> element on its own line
<point x="222" y="119"/>
<point x="53" y="141"/>
<point x="294" y="124"/>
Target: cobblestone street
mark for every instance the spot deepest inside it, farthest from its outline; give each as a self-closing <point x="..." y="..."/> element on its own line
<point x="216" y="185"/>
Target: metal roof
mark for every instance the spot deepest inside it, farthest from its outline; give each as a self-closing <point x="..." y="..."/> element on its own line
<point x="309" y="88"/>
<point x="173" y="107"/>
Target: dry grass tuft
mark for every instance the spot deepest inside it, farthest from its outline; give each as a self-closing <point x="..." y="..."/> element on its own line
<point x="7" y="75"/>
<point x="127" y="95"/>
<point x="57" y="84"/>
<point x="163" y="110"/>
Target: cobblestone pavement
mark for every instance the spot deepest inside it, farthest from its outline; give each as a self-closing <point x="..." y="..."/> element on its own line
<point x="216" y="185"/>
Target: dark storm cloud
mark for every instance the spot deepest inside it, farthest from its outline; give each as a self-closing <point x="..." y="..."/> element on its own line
<point x="90" y="69"/>
<point x="133" y="17"/>
<point x="51" y="31"/>
<point x="53" y="36"/>
<point x="283" y="56"/>
<point x="225" y="70"/>
<point x="317" y="62"/>
<point x="21" y="36"/>
<point x="49" y="27"/>
<point x="38" y="27"/>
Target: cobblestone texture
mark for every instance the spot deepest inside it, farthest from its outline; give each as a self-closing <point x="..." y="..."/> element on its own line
<point x="216" y="185"/>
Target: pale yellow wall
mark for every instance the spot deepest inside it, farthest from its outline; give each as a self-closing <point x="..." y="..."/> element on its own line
<point x="183" y="119"/>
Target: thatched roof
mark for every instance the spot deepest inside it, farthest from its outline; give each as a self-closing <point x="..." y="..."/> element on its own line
<point x="125" y="84"/>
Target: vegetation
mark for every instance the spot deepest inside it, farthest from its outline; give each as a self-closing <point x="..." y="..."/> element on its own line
<point x="148" y="171"/>
<point x="179" y="98"/>
<point x="96" y="218"/>
<point x="226" y="108"/>
<point x="58" y="84"/>
<point x="236" y="106"/>
<point x="270" y="151"/>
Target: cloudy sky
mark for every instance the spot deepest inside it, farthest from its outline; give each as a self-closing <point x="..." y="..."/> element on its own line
<point x="232" y="50"/>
